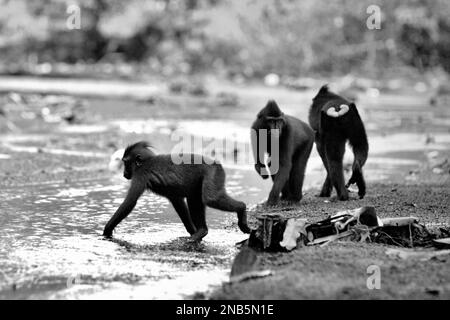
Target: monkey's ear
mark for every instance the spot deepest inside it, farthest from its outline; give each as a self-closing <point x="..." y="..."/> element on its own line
<point x="138" y="160"/>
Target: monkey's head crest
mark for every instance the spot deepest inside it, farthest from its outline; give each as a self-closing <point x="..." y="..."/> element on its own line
<point x="271" y="110"/>
<point x="139" y="147"/>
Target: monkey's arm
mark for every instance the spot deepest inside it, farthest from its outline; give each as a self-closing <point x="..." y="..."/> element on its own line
<point x="280" y="178"/>
<point x="258" y="154"/>
<point x="135" y="191"/>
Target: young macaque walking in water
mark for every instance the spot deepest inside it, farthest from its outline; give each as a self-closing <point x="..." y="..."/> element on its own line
<point x="200" y="183"/>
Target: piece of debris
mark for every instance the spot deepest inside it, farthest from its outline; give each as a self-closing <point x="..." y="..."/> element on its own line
<point x="403" y="232"/>
<point x="294" y="228"/>
<point x="442" y="243"/>
<point x="269" y="234"/>
<point x="276" y="233"/>
<point x="341" y="221"/>
<point x="399" y="222"/>
<point x="328" y="239"/>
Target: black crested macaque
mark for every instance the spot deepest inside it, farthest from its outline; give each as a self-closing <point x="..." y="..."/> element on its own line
<point x="200" y="183"/>
<point x="295" y="140"/>
<point x="336" y="121"/>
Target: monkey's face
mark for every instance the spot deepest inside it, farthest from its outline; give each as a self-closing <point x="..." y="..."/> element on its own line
<point x="335" y="110"/>
<point x="130" y="164"/>
<point x="127" y="168"/>
<point x="274" y="125"/>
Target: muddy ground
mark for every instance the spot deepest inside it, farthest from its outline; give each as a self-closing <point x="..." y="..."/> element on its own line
<point x="339" y="270"/>
<point x="57" y="193"/>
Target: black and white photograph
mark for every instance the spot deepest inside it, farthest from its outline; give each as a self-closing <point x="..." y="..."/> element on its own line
<point x="241" y="151"/>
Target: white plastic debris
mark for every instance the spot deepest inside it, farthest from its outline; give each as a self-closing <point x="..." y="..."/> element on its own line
<point x="399" y="221"/>
<point x="294" y="227"/>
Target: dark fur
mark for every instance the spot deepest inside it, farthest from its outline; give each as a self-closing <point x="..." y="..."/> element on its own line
<point x="200" y="184"/>
<point x="331" y="136"/>
<point x="295" y="141"/>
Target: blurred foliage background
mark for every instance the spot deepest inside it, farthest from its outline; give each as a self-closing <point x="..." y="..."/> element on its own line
<point x="246" y="38"/>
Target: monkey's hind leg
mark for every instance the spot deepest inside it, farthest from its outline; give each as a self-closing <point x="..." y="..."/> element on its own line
<point x="358" y="178"/>
<point x="286" y="192"/>
<point x="225" y="203"/>
<point x="327" y="186"/>
<point x="215" y="196"/>
<point x="184" y="214"/>
<point x="360" y="148"/>
<point x="197" y="214"/>
<point x="335" y="149"/>
<point x="298" y="172"/>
